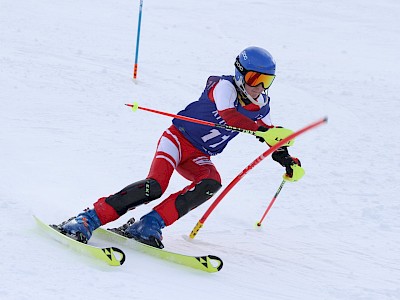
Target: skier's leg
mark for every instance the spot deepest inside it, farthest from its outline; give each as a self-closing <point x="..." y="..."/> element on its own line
<point x="148" y="229"/>
<point x="168" y="157"/>
<point x="205" y="182"/>
<point x="108" y="209"/>
<point x="195" y="166"/>
<point x="112" y="207"/>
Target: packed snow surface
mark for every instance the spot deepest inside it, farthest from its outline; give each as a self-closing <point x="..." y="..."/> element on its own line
<point x="67" y="139"/>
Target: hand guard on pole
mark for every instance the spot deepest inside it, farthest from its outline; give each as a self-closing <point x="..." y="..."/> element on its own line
<point x="272" y="136"/>
<point x="294" y="171"/>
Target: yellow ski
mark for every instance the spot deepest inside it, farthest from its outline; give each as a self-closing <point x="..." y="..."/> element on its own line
<point x="111" y="255"/>
<point x="207" y="263"/>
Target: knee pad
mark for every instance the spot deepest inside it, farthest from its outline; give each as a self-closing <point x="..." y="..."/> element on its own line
<point x="135" y="194"/>
<point x="203" y="191"/>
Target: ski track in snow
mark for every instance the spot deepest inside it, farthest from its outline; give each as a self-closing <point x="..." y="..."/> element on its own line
<point x="67" y="139"/>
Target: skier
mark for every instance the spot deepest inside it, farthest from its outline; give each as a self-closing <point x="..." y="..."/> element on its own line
<point x="241" y="101"/>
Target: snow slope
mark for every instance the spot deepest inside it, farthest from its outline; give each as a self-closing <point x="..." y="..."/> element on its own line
<point x="67" y="139"/>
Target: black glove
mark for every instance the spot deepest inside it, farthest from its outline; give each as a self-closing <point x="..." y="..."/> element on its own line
<point x="283" y="157"/>
<point x="263" y="129"/>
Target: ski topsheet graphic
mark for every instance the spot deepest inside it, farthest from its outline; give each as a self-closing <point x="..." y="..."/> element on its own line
<point x="110" y="255"/>
<point x="116" y="257"/>
<point x="207" y="263"/>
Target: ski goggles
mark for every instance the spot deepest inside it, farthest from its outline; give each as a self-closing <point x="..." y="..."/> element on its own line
<point x="253" y="78"/>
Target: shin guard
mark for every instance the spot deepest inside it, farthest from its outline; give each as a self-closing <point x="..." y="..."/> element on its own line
<point x="135" y="194"/>
<point x="179" y="204"/>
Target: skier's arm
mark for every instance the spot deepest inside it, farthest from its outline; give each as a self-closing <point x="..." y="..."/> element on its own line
<point x="224" y="96"/>
<point x="233" y="118"/>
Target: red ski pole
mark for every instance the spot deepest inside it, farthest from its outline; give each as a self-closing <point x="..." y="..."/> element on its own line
<point x="271" y="137"/>
<point x="271" y="203"/>
<point x="135" y="106"/>
<point x="221" y="196"/>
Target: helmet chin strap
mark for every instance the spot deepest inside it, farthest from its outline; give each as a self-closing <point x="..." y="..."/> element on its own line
<point x="252" y="100"/>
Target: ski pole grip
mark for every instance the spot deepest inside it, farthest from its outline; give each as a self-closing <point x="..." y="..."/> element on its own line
<point x="196" y="230"/>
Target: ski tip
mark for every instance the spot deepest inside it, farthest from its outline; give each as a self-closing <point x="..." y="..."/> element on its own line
<point x="211" y="263"/>
<point x="218" y="260"/>
<point x="115" y="256"/>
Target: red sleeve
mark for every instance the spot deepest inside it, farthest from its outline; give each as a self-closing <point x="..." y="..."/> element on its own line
<point x="233" y="118"/>
<point x="261" y="123"/>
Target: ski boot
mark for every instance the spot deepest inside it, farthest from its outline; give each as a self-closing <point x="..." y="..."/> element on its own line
<point x="121" y="229"/>
<point x="147" y="230"/>
<point x="80" y="228"/>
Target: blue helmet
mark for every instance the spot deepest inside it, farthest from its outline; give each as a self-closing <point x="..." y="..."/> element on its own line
<point x="253" y="59"/>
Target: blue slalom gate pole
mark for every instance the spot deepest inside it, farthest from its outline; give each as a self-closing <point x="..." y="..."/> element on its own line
<point x="137" y="40"/>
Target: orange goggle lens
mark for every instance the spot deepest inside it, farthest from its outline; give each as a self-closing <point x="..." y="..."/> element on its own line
<point x="254" y="78"/>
